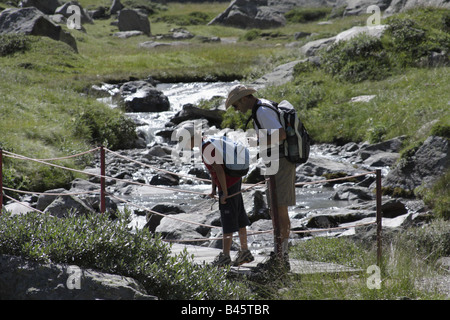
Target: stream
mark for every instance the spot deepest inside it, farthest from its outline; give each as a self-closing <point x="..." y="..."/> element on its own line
<point x="308" y="198"/>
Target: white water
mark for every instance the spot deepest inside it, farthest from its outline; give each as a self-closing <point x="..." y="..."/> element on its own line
<point x="314" y="197"/>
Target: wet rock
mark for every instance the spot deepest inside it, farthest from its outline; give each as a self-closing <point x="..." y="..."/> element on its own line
<point x="142" y="96"/>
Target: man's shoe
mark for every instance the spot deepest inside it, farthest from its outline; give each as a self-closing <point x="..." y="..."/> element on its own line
<point x="274" y="264"/>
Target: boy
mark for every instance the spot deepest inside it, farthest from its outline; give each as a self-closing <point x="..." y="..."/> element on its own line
<point x="231" y="207"/>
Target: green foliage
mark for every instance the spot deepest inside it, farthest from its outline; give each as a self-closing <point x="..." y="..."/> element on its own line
<point x="109" y="128"/>
<point x="360" y="58"/>
<point x="192" y="18"/>
<point x="438" y="196"/>
<point x="236" y="120"/>
<point x="100" y="242"/>
<point x="12" y="43"/>
<point x="251" y="35"/>
<point x="304" y="15"/>
<point x="335" y="250"/>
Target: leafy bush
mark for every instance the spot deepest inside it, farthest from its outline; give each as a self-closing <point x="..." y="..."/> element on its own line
<point x="416" y="35"/>
<point x="438" y="197"/>
<point x="99" y="242"/>
<point x="12" y="43"/>
<point x="251" y="35"/>
<point x="303" y="15"/>
<point x="111" y="129"/>
<point x="360" y="58"/>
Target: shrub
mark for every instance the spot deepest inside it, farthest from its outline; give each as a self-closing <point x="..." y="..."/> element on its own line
<point x="99" y="242"/>
<point x="303" y="15"/>
<point x="12" y="43"/>
<point x="360" y="58"/>
<point x="111" y="129"/>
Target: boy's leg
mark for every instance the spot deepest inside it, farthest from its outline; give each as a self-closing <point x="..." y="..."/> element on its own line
<point x="227" y="241"/>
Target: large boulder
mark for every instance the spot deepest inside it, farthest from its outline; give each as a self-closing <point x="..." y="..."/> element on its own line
<point x="142" y="96"/>
<point x="66" y="12"/>
<point x="21" y="279"/>
<point x="191" y="112"/>
<point x="424" y="167"/>
<point x="250" y="14"/>
<point x="46" y="6"/>
<point x="31" y="21"/>
<point x="130" y="19"/>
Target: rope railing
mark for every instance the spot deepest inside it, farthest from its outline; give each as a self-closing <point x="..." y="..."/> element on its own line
<point x="103" y="192"/>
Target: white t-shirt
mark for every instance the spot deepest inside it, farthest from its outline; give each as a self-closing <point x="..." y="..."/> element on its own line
<point x="267" y="117"/>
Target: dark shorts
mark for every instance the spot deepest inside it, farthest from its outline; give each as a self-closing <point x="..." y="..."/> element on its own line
<point x="232" y="214"/>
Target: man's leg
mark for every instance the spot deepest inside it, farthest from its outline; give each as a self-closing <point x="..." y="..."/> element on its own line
<point x="285" y="227"/>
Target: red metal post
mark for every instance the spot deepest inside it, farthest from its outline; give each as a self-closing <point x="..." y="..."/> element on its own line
<point x="102" y="180"/>
<point x="275" y="218"/>
<point x="379" y="216"/>
<point x="1" y="180"/>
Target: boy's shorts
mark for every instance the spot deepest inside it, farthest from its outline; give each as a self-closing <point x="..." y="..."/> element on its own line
<point x="232" y="213"/>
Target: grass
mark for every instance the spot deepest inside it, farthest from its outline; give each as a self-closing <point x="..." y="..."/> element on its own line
<point x="46" y="112"/>
<point x="407" y="263"/>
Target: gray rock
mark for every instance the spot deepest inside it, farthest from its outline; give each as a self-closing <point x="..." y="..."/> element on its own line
<point x="142" y="96"/>
<point x="21" y="279"/>
<point x="250" y="14"/>
<point x="63" y="204"/>
<point x="116" y="6"/>
<point x="423" y="168"/>
<point x="46" y="6"/>
<point x="191" y="112"/>
<point x="31" y="21"/>
<point x="64" y="10"/>
<point x="280" y="75"/>
<point x="130" y="19"/>
<point x="352" y="193"/>
<point x="127" y="34"/>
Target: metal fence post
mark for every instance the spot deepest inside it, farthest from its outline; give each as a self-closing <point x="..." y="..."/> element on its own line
<point x="102" y="180"/>
<point x="275" y="218"/>
<point x="1" y="180"/>
<point x="379" y="216"/>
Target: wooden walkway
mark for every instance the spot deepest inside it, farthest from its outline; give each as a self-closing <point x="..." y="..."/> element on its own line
<point x="207" y="255"/>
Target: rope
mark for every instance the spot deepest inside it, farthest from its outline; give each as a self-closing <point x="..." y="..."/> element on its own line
<point x="162" y="214"/>
<point x="52" y="194"/>
<point x="156" y="168"/>
<point x="44" y="161"/>
<point x="23" y="204"/>
<point x="336" y="179"/>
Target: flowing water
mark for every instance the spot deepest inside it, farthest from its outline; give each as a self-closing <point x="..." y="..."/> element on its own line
<point x="310" y="198"/>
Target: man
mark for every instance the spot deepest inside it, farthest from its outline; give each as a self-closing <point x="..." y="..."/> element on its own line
<point x="231" y="205"/>
<point x="242" y="99"/>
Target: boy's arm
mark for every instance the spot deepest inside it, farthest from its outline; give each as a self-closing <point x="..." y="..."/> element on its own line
<point x="222" y="180"/>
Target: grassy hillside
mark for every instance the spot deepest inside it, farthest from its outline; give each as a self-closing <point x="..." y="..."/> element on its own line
<point x="46" y="112"/>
